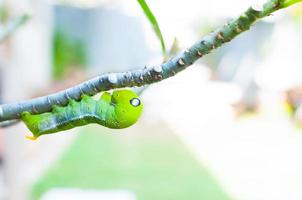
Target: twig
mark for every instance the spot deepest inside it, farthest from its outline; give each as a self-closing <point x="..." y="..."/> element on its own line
<point x="8" y="123"/>
<point x="147" y="75"/>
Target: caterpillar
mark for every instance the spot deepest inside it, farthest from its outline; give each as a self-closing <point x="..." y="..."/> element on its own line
<point x="118" y="110"/>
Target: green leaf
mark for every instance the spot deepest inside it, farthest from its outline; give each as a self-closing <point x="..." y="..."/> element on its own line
<point x="287" y="3"/>
<point x="154" y="24"/>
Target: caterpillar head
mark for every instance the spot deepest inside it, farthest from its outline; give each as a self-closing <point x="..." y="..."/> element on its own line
<point x="128" y="107"/>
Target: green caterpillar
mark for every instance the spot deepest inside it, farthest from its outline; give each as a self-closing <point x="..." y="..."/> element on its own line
<point x="116" y="111"/>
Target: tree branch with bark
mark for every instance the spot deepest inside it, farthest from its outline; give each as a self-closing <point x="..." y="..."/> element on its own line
<point x="151" y="74"/>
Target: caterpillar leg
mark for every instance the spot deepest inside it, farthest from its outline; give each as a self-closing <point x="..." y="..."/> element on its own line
<point x="106" y="96"/>
<point x="86" y="98"/>
<point x="31" y="121"/>
<point x="32" y="138"/>
<point x="57" y="109"/>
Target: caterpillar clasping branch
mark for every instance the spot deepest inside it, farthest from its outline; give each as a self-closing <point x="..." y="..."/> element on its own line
<point x="116" y="111"/>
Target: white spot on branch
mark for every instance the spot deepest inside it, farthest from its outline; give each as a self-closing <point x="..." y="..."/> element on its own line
<point x="181" y="62"/>
<point x="112" y="78"/>
<point x="158" y="68"/>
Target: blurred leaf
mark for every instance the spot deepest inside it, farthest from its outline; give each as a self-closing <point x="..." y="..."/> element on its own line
<point x="174" y="48"/>
<point x="68" y="53"/>
<point x="3" y="13"/>
<point x="287" y="3"/>
<point x="154" y="24"/>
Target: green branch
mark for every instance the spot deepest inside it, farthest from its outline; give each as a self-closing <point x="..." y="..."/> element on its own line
<point x="146" y="75"/>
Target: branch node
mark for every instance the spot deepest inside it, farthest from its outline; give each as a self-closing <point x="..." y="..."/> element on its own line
<point x="158" y="68"/>
<point x="238" y="30"/>
<point x="112" y="78"/>
<point x="48" y="100"/>
<point x="199" y="53"/>
<point x="66" y="95"/>
<point x="181" y="62"/>
<point x="220" y="36"/>
<point x="34" y="110"/>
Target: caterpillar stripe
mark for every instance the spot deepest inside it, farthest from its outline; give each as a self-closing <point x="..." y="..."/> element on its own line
<point x="116" y="111"/>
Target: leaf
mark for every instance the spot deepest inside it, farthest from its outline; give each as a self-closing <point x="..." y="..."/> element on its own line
<point x="287" y="3"/>
<point x="154" y="24"/>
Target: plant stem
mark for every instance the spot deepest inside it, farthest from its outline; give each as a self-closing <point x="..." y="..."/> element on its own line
<point x="287" y="3"/>
<point x="146" y="75"/>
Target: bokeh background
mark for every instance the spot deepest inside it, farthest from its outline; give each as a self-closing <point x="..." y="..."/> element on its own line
<point x="227" y="128"/>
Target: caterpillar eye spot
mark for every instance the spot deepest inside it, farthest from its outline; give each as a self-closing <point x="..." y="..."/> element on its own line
<point x="135" y="102"/>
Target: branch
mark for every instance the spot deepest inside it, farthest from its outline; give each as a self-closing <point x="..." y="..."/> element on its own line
<point x="147" y="75"/>
<point x="8" y="123"/>
<point x="12" y="26"/>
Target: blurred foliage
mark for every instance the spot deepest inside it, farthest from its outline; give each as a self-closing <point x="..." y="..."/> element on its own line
<point x="174" y="48"/>
<point x="287" y="3"/>
<point x="3" y="13"/>
<point x="296" y="14"/>
<point x="154" y="24"/>
<point x="9" y="25"/>
<point x="154" y="164"/>
<point x="68" y="53"/>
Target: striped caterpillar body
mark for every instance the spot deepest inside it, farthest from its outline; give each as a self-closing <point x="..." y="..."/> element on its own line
<point x="116" y="111"/>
